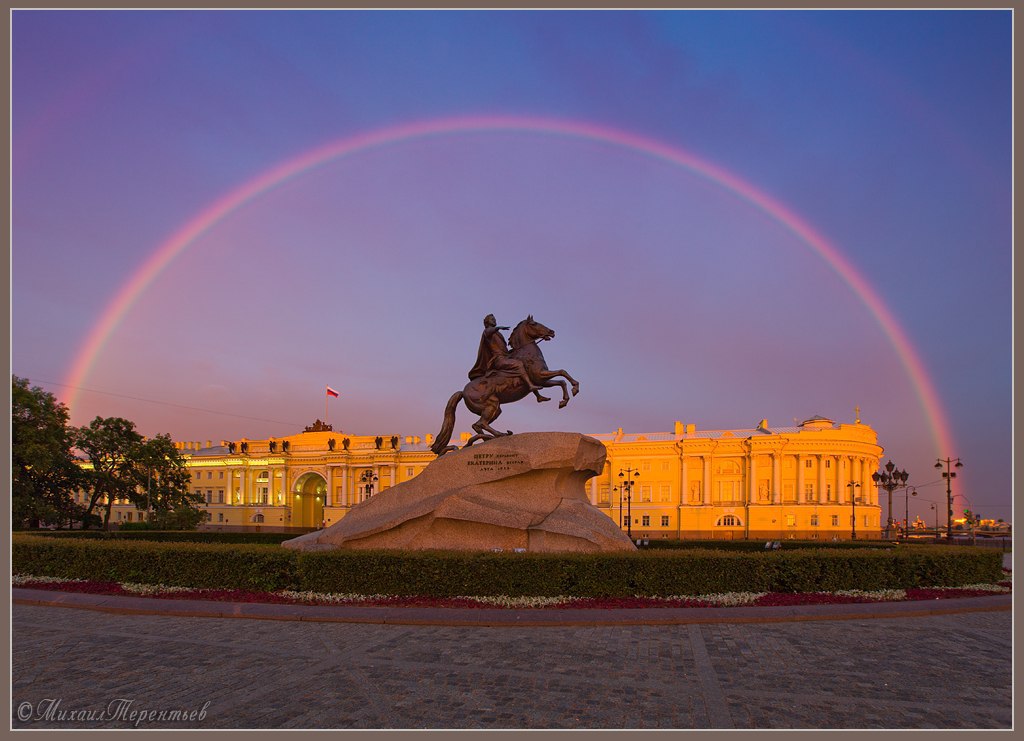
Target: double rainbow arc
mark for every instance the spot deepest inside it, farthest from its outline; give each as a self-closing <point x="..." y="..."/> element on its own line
<point x="208" y="217"/>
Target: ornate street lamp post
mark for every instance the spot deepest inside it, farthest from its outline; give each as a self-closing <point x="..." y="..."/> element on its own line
<point x="890" y="479"/>
<point x="949" y="476"/>
<point x="907" y="493"/>
<point x="854" y="485"/>
<point x="626" y="487"/>
<point x="368" y="480"/>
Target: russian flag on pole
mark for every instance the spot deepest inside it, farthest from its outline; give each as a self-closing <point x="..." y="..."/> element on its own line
<point x="332" y="392"/>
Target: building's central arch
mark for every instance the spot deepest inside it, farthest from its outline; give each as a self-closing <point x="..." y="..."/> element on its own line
<point x="308" y="498"/>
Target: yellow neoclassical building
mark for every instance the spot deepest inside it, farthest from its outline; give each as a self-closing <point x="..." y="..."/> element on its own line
<point x="761" y="483"/>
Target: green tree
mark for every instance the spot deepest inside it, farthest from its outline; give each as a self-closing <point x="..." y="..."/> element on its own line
<point x="114" y="447"/>
<point x="44" y="473"/>
<point x="167" y="497"/>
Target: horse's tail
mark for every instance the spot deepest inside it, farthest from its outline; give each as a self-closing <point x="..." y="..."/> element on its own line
<point x="441" y="441"/>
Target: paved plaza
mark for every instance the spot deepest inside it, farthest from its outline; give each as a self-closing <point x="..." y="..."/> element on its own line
<point x="941" y="671"/>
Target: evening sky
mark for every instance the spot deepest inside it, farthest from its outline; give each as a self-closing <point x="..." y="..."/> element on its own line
<point x="673" y="295"/>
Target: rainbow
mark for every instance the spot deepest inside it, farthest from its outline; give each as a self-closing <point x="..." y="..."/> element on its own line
<point x="207" y="218"/>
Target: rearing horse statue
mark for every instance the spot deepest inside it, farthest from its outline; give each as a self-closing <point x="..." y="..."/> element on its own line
<point x="485" y="395"/>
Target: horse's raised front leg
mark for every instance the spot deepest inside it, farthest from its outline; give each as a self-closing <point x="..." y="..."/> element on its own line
<point x="548" y="377"/>
<point x="570" y="379"/>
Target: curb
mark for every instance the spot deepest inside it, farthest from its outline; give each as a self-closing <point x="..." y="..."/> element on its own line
<point x="495" y="618"/>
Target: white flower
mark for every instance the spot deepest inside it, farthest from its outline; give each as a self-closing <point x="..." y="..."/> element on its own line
<point x="726" y="599"/>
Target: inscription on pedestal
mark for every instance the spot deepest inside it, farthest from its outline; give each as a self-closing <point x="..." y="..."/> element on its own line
<point x="496" y="462"/>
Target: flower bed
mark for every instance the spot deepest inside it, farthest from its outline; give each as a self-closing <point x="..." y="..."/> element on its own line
<point x="730" y="599"/>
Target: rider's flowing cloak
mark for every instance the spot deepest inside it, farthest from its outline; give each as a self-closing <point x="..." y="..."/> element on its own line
<point x="485" y="354"/>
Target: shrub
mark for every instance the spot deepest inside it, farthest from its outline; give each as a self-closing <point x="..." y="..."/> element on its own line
<point x="456" y="573"/>
<point x="144" y="532"/>
<point x="207" y="565"/>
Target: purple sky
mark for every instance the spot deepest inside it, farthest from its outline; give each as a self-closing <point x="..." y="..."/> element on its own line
<point x="672" y="296"/>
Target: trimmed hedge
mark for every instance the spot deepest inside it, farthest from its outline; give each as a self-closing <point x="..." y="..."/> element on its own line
<point x="206" y="565"/>
<point x="455" y="573"/>
<point x="174" y="536"/>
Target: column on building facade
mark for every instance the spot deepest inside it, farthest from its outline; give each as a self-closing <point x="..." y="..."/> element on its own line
<point x="684" y="481"/>
<point x="706" y="484"/>
<point x="862" y="489"/>
<point x="776" y="490"/>
<point x="843" y="494"/>
<point x="822" y="496"/>
<point x="865" y="481"/>
<point x="394" y="474"/>
<point x="593" y="491"/>
<point x="841" y="478"/>
<point x="329" y="494"/>
<point x="868" y="482"/>
<point x="344" y="485"/>
<point x="801" y="496"/>
<point x="866" y="494"/>
<point x="244" y="483"/>
<point x="752" y="488"/>
<point x="856" y="466"/>
<point x="684" y="493"/>
<point x="376" y="475"/>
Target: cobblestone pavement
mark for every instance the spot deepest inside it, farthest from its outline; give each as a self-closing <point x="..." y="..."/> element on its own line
<point x="947" y="671"/>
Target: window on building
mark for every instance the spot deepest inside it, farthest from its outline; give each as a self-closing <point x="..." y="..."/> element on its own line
<point x="645" y="520"/>
<point x="220" y="496"/>
<point x="209" y="497"/>
<point x="209" y="474"/>
<point x="835" y="520"/>
<point x="790" y="520"/>
<point x="199" y="474"/>
<point x="809" y="491"/>
<point x="409" y="472"/>
<point x="129" y="517"/>
<point x="728" y="521"/>
<point x="828" y="490"/>
<point x="220" y="517"/>
<point x="814" y="521"/>
<point x="808" y="463"/>
<point x="645" y="492"/>
<point x="603" y="493"/>
<point x="866" y="523"/>
<point x="728" y="491"/>
<point x="647" y="465"/>
<point x="828" y="463"/>
<point x="664" y="520"/>
<point x="220" y="474"/>
<point x="665" y="493"/>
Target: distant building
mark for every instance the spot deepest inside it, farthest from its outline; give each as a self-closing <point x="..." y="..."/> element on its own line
<point x="760" y="483"/>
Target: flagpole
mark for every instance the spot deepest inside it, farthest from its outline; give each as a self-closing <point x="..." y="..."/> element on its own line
<point x="327" y="398"/>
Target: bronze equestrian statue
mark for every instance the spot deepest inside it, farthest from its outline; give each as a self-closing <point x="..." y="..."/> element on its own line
<point x="502" y="376"/>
